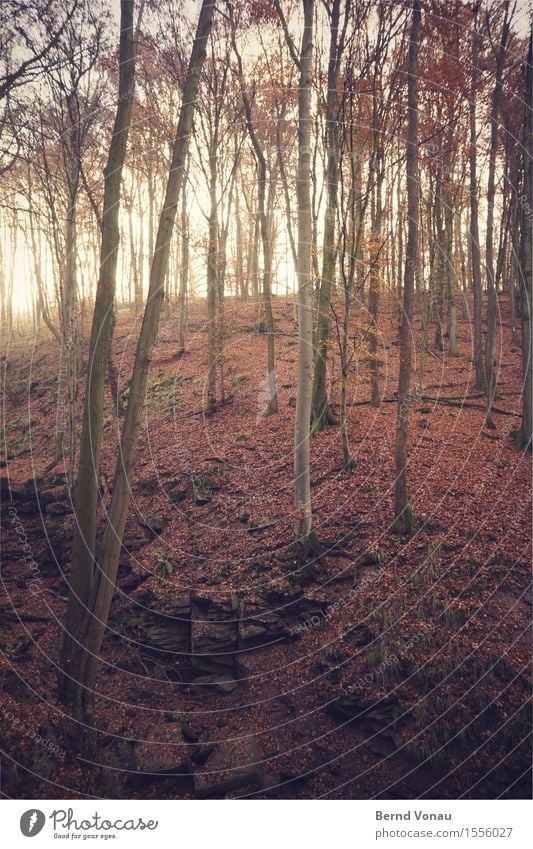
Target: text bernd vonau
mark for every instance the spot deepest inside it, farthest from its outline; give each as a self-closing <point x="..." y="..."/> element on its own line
<point x="416" y="815"/>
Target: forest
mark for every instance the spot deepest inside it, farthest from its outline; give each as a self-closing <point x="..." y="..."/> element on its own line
<point x="266" y="357"/>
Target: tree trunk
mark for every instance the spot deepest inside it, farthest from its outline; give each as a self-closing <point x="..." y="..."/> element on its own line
<point x="303" y="525"/>
<point x="212" y="274"/>
<point x="321" y="410"/>
<point x="90" y="628"/>
<point x="492" y="297"/>
<point x="403" y="515"/>
<point x="74" y="686"/>
<point x="184" y="270"/>
<point x="451" y="278"/>
<point x="475" y="255"/>
<point x="526" y="277"/>
<point x="272" y="402"/>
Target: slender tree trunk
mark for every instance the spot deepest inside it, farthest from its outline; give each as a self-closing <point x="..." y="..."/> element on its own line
<point x="492" y="296"/>
<point x="184" y="269"/>
<point x="272" y="403"/>
<point x="526" y="277"/>
<point x="376" y="262"/>
<point x="303" y="525"/>
<point x="403" y="515"/>
<point x="101" y="587"/>
<point x="451" y="278"/>
<point x="321" y="410"/>
<point x="475" y="254"/>
<point x="439" y="263"/>
<point x="212" y="275"/>
<point x="75" y="686"/>
<point x="239" y="249"/>
<point x="459" y="248"/>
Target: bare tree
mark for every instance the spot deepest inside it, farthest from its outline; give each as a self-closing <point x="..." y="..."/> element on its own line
<point x="492" y="299"/>
<point x="305" y="541"/>
<point x="84" y="566"/>
<point x="80" y="665"/>
<point x="403" y="514"/>
<point x="526" y="276"/>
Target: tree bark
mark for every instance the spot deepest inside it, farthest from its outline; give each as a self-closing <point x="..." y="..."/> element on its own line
<point x="451" y="277"/>
<point x="403" y="515"/>
<point x="72" y="683"/>
<point x="321" y="410"/>
<point x="80" y="669"/>
<point x="526" y="277"/>
<point x="492" y="296"/>
<point x="475" y="254"/>
<point x="184" y="269"/>
<point x="303" y="525"/>
<point x="272" y="402"/>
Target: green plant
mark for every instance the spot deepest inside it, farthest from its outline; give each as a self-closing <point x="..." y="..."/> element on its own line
<point x="163" y="567"/>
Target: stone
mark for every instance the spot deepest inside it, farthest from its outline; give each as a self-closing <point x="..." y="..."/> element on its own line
<point x="203" y="488"/>
<point x="233" y="768"/>
<point x="261" y="523"/>
<point x="164" y="753"/>
<point x="219" y="683"/>
<point x="149" y="486"/>
<point x="164" y="632"/>
<point x="154" y="525"/>
<point x="133" y="542"/>
<point x="214" y="635"/>
<point x="371" y="716"/>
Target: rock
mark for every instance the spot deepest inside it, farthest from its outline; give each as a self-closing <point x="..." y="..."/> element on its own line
<point x="133" y="543"/>
<point x="383" y="745"/>
<point x="203" y="752"/>
<point x="233" y="766"/>
<point x="58" y="509"/>
<point x="164" y="753"/>
<point x="261" y="523"/>
<point x="175" y="496"/>
<point x="203" y="488"/>
<point x="49" y="568"/>
<point x="16" y="686"/>
<point x="261" y="629"/>
<point x="154" y="525"/>
<point x="12" y="491"/>
<point x="219" y="683"/>
<point x="249" y="633"/>
<point x="359" y="635"/>
<point x="149" y="486"/>
<point x="215" y="635"/>
<point x="164" y="632"/>
<point x="188" y="734"/>
<point x="134" y="582"/>
<point x="371" y="716"/>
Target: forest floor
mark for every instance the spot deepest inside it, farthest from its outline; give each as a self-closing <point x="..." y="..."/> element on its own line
<point x="393" y="667"/>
